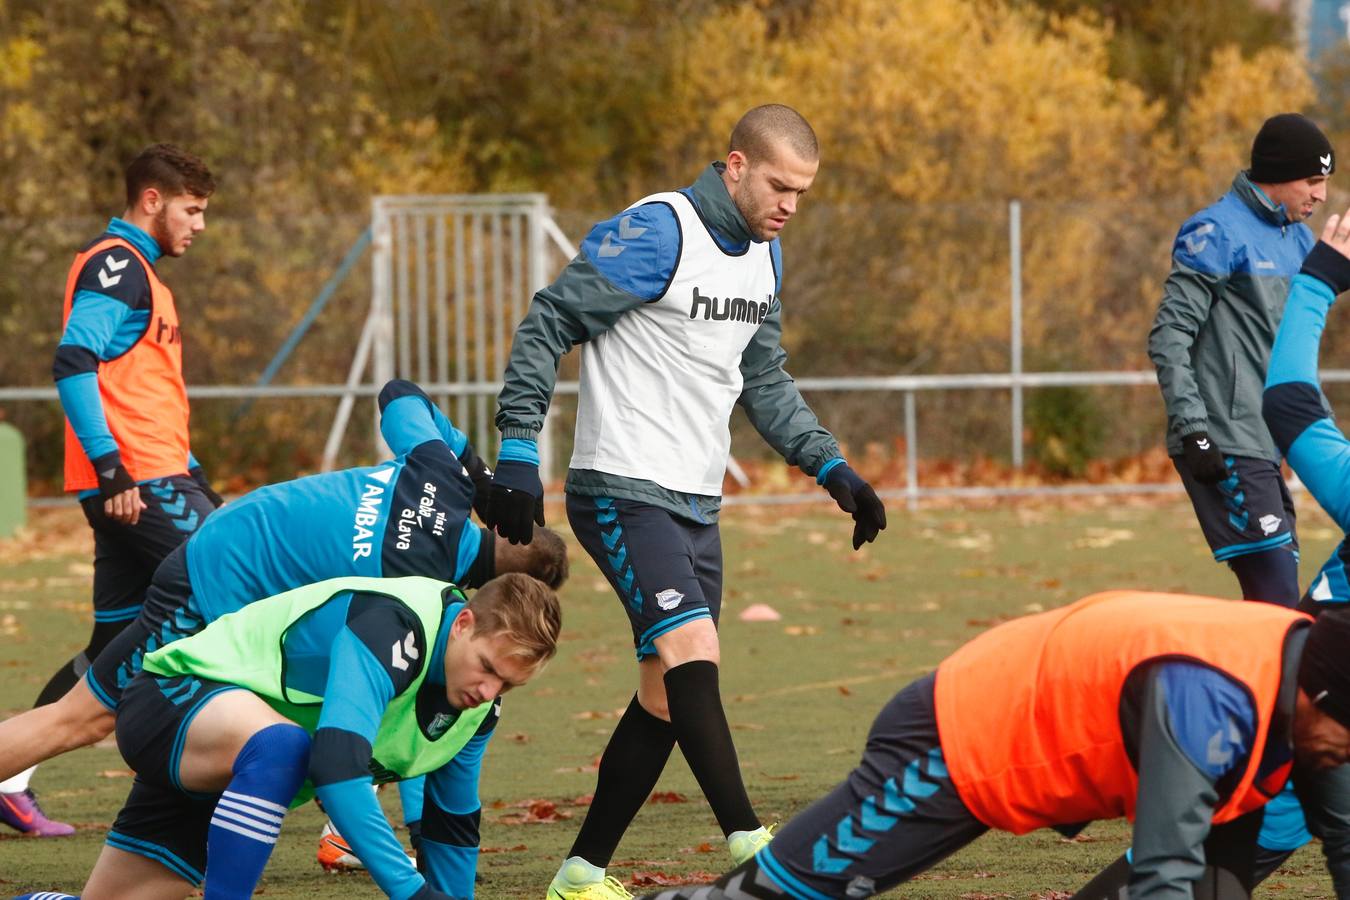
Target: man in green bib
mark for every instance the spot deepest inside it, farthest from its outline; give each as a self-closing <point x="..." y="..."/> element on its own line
<point x="320" y="690"/>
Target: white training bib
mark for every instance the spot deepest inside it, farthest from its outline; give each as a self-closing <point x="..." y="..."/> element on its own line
<point x="657" y="389"/>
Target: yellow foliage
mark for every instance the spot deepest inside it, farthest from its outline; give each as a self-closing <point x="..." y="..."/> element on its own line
<point x="1221" y="118"/>
<point x="944" y="100"/>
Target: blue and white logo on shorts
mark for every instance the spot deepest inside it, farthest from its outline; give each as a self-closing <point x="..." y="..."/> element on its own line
<point x="669" y="598"/>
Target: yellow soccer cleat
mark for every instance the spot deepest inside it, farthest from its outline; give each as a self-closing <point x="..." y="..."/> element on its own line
<point x="575" y="881"/>
<point x="744" y="844"/>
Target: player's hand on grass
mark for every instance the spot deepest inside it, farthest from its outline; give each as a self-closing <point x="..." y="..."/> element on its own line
<point x="856" y="497"/>
<point x="1204" y="460"/>
<point x="516" y="503"/>
<point x="1329" y="259"/>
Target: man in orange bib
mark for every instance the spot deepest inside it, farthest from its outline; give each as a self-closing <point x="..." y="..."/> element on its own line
<point x="1174" y="711"/>
<point x="119" y="374"/>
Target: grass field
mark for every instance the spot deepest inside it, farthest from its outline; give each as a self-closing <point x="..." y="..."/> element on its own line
<point x="801" y="692"/>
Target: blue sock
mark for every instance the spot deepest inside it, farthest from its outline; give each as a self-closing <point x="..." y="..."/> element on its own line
<point x="47" y="895"/>
<point x="410" y="796"/>
<point x="267" y="774"/>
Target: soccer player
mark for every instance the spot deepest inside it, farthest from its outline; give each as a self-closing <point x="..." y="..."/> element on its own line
<point x="1211" y="341"/>
<point x="318" y="690"/>
<point x="675" y="302"/>
<point x="407" y="516"/>
<point x="119" y="375"/>
<point x="1177" y="712"/>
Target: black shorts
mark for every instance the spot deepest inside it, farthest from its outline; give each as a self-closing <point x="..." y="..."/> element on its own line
<point x="1249" y="512"/>
<point x="666" y="570"/>
<point x="161" y="819"/>
<point x="126" y="556"/>
<point x="166" y="615"/>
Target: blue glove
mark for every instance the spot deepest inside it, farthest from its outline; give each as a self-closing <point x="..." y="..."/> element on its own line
<point x="517" y="503"/>
<point x="854" y="496"/>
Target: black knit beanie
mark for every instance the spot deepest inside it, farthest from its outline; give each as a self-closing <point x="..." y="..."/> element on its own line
<point x="1289" y="147"/>
<point x="1324" y="671"/>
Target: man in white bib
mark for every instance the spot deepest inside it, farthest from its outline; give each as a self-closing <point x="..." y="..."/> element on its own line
<point x="675" y="302"/>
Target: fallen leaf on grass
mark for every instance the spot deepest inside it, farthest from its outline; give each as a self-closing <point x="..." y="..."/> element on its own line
<point x="1052" y="895"/>
<point x="116" y="773"/>
<point x="583" y="800"/>
<point x="518" y="848"/>
<point x="704" y="847"/>
<point x="519" y="737"/>
<point x="540" y="812"/>
<point x="782" y="777"/>
<point x="667" y="797"/>
<point x="843" y="689"/>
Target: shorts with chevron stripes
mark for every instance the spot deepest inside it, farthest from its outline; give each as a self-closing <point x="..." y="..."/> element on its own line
<point x="666" y="571"/>
<point x="126" y="556"/>
<point x="895" y="815"/>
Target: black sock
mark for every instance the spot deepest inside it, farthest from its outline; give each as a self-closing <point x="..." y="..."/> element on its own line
<point x="629" y="769"/>
<point x="69" y="674"/>
<point x="1270" y="576"/>
<point x="65" y="678"/>
<point x="704" y="737"/>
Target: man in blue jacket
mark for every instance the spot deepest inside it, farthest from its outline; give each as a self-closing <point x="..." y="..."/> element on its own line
<point x="1231" y="268"/>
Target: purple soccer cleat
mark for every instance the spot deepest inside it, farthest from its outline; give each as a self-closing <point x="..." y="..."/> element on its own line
<point x="20" y="811"/>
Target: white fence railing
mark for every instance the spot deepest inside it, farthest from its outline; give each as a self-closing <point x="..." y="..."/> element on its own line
<point x="909" y="386"/>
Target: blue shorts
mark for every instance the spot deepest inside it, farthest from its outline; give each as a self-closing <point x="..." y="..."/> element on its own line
<point x="666" y="570"/>
<point x="1248" y="512"/>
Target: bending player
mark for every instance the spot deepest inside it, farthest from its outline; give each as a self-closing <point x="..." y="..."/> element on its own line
<point x="1300" y="421"/>
<point x="1177" y="712"/>
<point x="300" y="694"/>
<point x="408" y="516"/>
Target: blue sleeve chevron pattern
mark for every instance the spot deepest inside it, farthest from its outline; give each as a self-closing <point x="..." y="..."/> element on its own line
<point x="451" y="817"/>
<point x="624" y="262"/>
<point x="1295" y="410"/>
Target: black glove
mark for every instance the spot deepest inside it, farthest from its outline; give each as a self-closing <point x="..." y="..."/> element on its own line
<point x="517" y="499"/>
<point x="1204" y="460"/>
<point x="855" y="496"/>
<point x="113" y="478"/>
<point x="415" y="838"/>
<point x="200" y="477"/>
<point x="480" y="473"/>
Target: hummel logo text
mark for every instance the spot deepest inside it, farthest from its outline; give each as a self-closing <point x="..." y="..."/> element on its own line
<point x="1203" y="443"/>
<point x="735" y="309"/>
